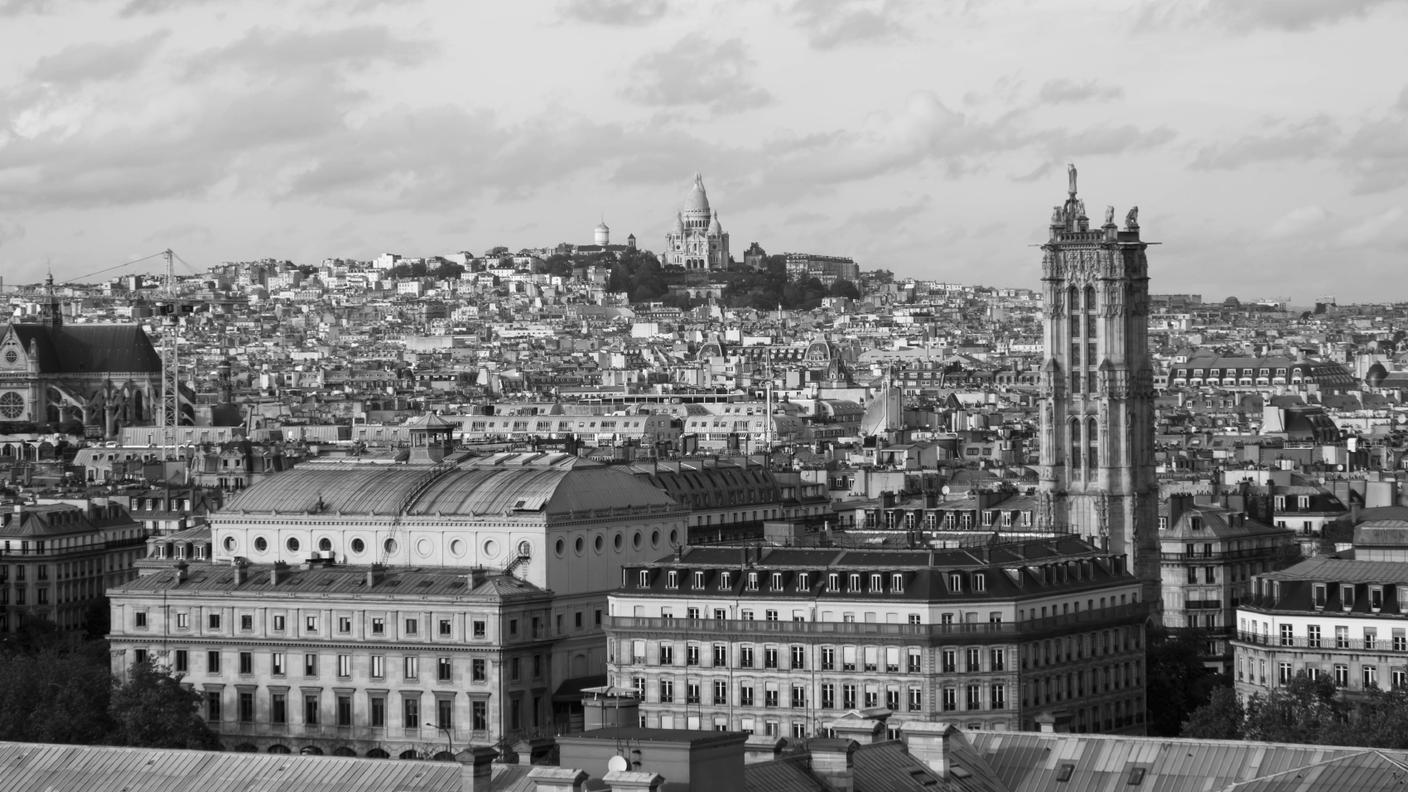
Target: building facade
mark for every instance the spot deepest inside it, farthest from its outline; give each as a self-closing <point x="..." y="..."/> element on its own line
<point x="58" y="559"/>
<point x="777" y="641"/>
<point x="697" y="241"/>
<point x="1097" y="419"/>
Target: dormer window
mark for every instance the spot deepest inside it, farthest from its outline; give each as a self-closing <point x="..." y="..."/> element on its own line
<point x="672" y="579"/>
<point x="725" y="581"/>
<point x="980" y="581"/>
<point x="643" y="579"/>
<point x="897" y="583"/>
<point x="803" y="581"/>
<point x="1303" y="502"/>
<point x="752" y="584"/>
<point x="833" y="582"/>
<point x="1318" y="594"/>
<point x="777" y="581"/>
<point x="955" y="581"/>
<point x="854" y="582"/>
<point x="699" y="580"/>
<point x="875" y="583"/>
<point x="1195" y="523"/>
<point x="1279" y="502"/>
<point x="1346" y="596"/>
<point x="1376" y="598"/>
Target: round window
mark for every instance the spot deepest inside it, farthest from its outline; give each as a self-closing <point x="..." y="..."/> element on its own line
<point x="229" y="544"/>
<point x="525" y="548"/>
<point x="635" y="540"/>
<point x="358" y="546"/>
<point x="390" y="546"/>
<point x="674" y="537"/>
<point x="423" y="547"/>
<point x="654" y="538"/>
<point x="11" y="356"/>
<point x="11" y="405"/>
<point x="618" y="542"/>
<point x="457" y="548"/>
<point x="560" y="547"/>
<point x="260" y="544"/>
<point x="325" y="544"/>
<point x="580" y="545"/>
<point x="598" y="543"/>
<point x="292" y="544"/>
<point x="491" y="548"/>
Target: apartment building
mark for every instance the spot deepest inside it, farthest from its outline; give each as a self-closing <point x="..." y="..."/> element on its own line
<point x="778" y="641"/>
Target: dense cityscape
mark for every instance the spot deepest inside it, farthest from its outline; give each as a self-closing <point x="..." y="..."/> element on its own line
<point x="531" y="510"/>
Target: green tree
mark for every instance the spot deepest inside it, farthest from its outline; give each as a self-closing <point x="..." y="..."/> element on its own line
<point x="1220" y="719"/>
<point x="152" y="710"/>
<point x="56" y="692"/>
<point x="1380" y="720"/>
<point x="844" y="288"/>
<point x="1304" y="711"/>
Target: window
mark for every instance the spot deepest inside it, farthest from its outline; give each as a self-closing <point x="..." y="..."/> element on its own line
<point x="445" y="714"/>
<point x="445" y="629"/>
<point x="183" y="621"/>
<point x="828" y="658"/>
<point x="998" y="657"/>
<point x="378" y="625"/>
<point x="410" y="712"/>
<point x="848" y="696"/>
<point x="745" y="657"/>
<point x="344" y="624"/>
<point x="745" y="695"/>
<point x="410" y="667"/>
<point x="310" y="665"/>
<point x="310" y="709"/>
<point x="799" y="658"/>
<point x="643" y="579"/>
<point x="139" y="619"/>
<point x="480" y="629"/>
<point x="950" y="661"/>
<point x="667" y="654"/>
<point x="246" y="662"/>
<point x="691" y="654"/>
<point x="378" y="712"/>
<point x="1287" y="635"/>
<point x="999" y="696"/>
<point x="950" y="699"/>
<point x="672" y="579"/>
<point x="1341" y="675"/>
<point x="479" y="715"/>
<point x="1341" y="637"/>
<point x="378" y="667"/>
<point x="214" y="621"/>
<point x="182" y="661"/>
<point x="720" y="691"/>
<point x="310" y="624"/>
<point x="246" y="622"/>
<point x="1369" y="676"/>
<point x="212" y="662"/>
<point x="913" y="661"/>
<point x="720" y="655"/>
<point x="246" y="707"/>
<point x="478" y="670"/>
<point x="1283" y="673"/>
<point x="278" y="708"/>
<point x="344" y="710"/>
<point x="916" y="699"/>
<point x="412" y="626"/>
<point x="667" y="691"/>
<point x="276" y="662"/>
<point x="691" y="693"/>
<point x="212" y="705"/>
<point x="828" y="695"/>
<point x="443" y="669"/>
<point x="1312" y="636"/>
<point x="770" y="657"/>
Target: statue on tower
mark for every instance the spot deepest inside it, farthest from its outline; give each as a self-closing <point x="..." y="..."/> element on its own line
<point x="1109" y="215"/>
<point x="1071" y="178"/>
<point x="1131" y="220"/>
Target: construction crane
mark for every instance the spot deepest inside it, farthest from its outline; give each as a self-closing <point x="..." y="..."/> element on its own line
<point x="169" y="416"/>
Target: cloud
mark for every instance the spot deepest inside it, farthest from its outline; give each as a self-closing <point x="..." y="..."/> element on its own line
<point x="1302" y="221"/>
<point x="96" y="62"/>
<point x="697" y="71"/>
<point x="1385" y="226"/>
<point x="21" y="7"/>
<point x="155" y="7"/>
<point x="10" y="231"/>
<point x="837" y="23"/>
<point x="616" y="13"/>
<point x="1101" y="139"/>
<point x="277" y="51"/>
<point x="1377" y="153"/>
<point x="1244" y="16"/>
<point x="1311" y="137"/>
<point x="1064" y="91"/>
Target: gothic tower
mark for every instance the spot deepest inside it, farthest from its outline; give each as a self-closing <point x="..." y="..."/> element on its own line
<point x="1097" y="418"/>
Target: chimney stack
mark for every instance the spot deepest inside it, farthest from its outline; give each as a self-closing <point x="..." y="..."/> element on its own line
<point x="241" y="571"/>
<point x="558" y="779"/>
<point x="182" y="571"/>
<point x="476" y="768"/>
<point x="374" y="575"/>
<point x="834" y="760"/>
<point x="629" y="781"/>
<point x="931" y="743"/>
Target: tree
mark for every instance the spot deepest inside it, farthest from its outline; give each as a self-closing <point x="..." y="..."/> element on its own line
<point x="1220" y="719"/>
<point x="1178" y="681"/>
<point x="1380" y="720"/>
<point x="54" y="691"/>
<point x="1304" y="711"/>
<point x="152" y="710"/>
<point x="844" y="288"/>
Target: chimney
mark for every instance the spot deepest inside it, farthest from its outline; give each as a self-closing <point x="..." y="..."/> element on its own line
<point x="1046" y="723"/>
<point x="833" y="759"/>
<point x="762" y="748"/>
<point x="930" y="744"/>
<point x="629" y="781"/>
<point x="864" y="731"/>
<point x="374" y="575"/>
<point x="557" y="779"/>
<point x="241" y="571"/>
<point x="476" y="768"/>
<point x="274" y="572"/>
<point x="182" y="571"/>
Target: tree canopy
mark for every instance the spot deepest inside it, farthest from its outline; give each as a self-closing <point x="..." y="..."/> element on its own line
<point x="1178" y="683"/>
<point x="153" y="710"/>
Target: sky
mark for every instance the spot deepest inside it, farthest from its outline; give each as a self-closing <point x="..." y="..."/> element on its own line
<point x="1264" y="141"/>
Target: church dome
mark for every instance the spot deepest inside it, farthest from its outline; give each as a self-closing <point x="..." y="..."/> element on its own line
<point x="697" y="200"/>
<point x="602" y="227"/>
<point x="714" y="227"/>
<point x="1376" y="375"/>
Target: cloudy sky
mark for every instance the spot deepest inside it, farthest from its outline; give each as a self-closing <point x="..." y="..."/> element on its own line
<point x="1265" y="141"/>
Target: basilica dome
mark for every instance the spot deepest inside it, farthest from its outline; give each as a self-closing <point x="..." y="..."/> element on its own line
<point x="697" y="200"/>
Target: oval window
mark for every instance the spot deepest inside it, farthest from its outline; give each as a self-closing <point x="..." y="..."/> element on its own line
<point x="292" y="544"/>
<point x="635" y="540"/>
<point x="358" y="546"/>
<point x="229" y="544"/>
<point x="390" y="546"/>
<point x="618" y="542"/>
<point x="260" y="544"/>
<point x="580" y="545"/>
<point x="457" y="548"/>
<point x="325" y="544"/>
<point x="560" y="547"/>
<point x="598" y="543"/>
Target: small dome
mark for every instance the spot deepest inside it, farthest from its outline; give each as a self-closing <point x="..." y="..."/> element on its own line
<point x="1375" y="376"/>
<point x="714" y="227"/>
<point x="602" y="227"/>
<point x="697" y="200"/>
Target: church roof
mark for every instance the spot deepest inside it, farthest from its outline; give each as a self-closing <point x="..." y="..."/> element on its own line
<point x="697" y="200"/>
<point x="82" y="349"/>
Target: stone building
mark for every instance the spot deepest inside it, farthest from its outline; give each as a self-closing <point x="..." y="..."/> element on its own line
<point x="697" y="241"/>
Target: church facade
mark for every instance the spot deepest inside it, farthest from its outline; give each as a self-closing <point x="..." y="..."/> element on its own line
<point x="107" y="376"/>
<point x="1096" y="465"/>
<point x="698" y="241"/>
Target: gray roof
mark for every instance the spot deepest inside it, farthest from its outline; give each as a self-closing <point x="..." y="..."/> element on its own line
<point x="1343" y="570"/>
<point x="37" y="767"/>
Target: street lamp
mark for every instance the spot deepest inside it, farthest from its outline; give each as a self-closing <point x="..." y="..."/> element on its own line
<point x="449" y="741"/>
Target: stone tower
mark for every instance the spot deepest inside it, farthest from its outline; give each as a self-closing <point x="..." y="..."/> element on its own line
<point x="1097" y="418"/>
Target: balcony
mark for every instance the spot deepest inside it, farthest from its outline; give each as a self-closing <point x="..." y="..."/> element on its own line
<point x="1328" y="644"/>
<point x="740" y="629"/>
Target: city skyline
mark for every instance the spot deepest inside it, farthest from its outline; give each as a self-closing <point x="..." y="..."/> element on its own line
<point x="928" y="141"/>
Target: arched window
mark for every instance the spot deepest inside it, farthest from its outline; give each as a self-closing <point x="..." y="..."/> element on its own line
<point x="1074" y="463"/>
<point x="1089" y="299"/>
<point x="1092" y="443"/>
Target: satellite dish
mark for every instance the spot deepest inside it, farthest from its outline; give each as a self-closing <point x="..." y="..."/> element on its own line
<point x="944" y="490"/>
<point x="617" y="764"/>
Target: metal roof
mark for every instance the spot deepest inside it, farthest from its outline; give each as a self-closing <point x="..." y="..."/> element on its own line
<point x="1343" y="570"/>
<point x="37" y="767"/>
